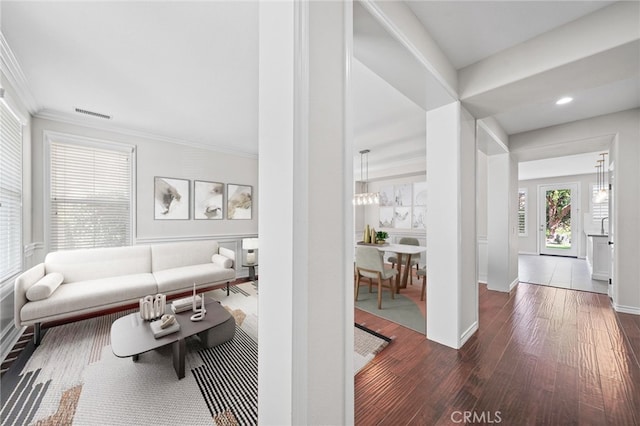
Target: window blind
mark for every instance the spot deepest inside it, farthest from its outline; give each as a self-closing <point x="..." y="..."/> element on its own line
<point x="10" y="194"/>
<point x="522" y="212"/>
<point x="90" y="196"/>
<point x="598" y="210"/>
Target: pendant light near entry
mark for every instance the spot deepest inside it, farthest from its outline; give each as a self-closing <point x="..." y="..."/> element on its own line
<point x="365" y="197"/>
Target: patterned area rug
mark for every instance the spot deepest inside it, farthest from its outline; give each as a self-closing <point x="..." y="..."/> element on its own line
<point x="73" y="376"/>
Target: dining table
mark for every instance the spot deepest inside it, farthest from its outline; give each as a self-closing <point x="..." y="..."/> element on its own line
<point x="403" y="252"/>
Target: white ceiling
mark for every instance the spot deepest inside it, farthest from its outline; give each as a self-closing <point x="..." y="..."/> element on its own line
<point x="477" y="34"/>
<point x="469" y="31"/>
<point x="183" y="70"/>
<point x="189" y="70"/>
<point x="392" y="127"/>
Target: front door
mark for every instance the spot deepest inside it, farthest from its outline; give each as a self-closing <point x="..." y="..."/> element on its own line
<point x="558" y="219"/>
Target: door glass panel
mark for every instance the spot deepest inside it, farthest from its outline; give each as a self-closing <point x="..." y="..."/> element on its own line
<point x="558" y="219"/>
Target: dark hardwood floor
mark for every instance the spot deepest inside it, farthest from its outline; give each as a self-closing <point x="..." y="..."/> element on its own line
<point x="541" y="356"/>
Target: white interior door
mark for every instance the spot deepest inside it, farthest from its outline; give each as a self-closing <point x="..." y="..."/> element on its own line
<point x="557" y="219"/>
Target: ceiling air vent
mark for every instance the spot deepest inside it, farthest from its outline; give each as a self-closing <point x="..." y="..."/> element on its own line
<point x="93" y="114"/>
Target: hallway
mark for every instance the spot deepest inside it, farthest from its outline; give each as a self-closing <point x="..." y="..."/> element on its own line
<point x="542" y="355"/>
<point x="557" y="271"/>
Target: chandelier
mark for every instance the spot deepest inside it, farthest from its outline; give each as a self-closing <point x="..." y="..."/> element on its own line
<point x="365" y="197"/>
<point x="601" y="194"/>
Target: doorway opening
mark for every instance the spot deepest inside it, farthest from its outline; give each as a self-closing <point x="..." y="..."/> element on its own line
<point x="558" y="232"/>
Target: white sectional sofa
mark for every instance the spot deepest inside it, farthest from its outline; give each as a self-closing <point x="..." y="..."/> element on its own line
<point x="73" y="283"/>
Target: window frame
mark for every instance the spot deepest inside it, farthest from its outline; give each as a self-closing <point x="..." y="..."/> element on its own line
<point x="57" y="137"/>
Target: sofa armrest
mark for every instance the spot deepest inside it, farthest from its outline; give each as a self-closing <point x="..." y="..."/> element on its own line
<point x="229" y="254"/>
<point x="21" y="285"/>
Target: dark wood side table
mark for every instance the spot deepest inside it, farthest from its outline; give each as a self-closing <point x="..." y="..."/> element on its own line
<point x="252" y="270"/>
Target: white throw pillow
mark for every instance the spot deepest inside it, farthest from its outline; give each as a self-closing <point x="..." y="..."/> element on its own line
<point x="45" y="286"/>
<point x="221" y="260"/>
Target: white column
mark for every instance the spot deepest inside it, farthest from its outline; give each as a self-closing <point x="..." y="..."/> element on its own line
<point x="502" y="274"/>
<point x="452" y="289"/>
<point x="305" y="372"/>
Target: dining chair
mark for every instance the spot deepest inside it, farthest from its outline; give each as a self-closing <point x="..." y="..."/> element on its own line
<point x="370" y="264"/>
<point x="423" y="273"/>
<point x="415" y="258"/>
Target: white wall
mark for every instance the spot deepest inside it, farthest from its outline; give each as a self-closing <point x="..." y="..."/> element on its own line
<point x="452" y="304"/>
<point x="494" y="204"/>
<point x="502" y="231"/>
<point x="481" y="215"/>
<point x="305" y="356"/>
<point x="156" y="158"/>
<point x="468" y="239"/>
<point x="529" y="244"/>
<point x="513" y="220"/>
<point x="481" y="194"/>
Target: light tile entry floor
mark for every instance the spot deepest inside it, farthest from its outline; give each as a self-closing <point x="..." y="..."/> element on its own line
<point x="558" y="271"/>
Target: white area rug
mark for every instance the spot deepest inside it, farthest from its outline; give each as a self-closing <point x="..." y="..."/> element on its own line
<point x="117" y="391"/>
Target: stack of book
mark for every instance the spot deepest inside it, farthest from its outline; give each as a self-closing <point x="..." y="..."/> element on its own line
<point x="185" y="304"/>
<point x="158" y="331"/>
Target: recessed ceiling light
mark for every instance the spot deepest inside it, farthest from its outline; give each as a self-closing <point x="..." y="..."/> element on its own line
<point x="564" y="100"/>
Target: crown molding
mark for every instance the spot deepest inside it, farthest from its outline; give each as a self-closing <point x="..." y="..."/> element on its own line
<point x="11" y="69"/>
<point x="68" y="118"/>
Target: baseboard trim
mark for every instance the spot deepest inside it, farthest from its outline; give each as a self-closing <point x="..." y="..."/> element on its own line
<point x="528" y="252"/>
<point x="514" y="283"/>
<point x="467" y="334"/>
<point x="626" y="309"/>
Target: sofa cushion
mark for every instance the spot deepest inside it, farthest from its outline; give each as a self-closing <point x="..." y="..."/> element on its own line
<point x="45" y="286"/>
<point x="227" y="253"/>
<point x="79" y="296"/>
<point x="222" y="261"/>
<point x="96" y="263"/>
<point x="176" y="255"/>
<point x="183" y="278"/>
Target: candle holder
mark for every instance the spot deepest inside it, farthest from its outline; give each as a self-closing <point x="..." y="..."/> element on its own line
<point x="152" y="307"/>
<point x="198" y="312"/>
